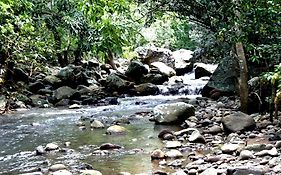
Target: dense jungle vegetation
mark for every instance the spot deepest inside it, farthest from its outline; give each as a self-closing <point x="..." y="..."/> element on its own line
<point x="35" y="33"/>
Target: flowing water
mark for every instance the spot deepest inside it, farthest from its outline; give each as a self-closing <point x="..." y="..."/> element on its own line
<point x="22" y="131"/>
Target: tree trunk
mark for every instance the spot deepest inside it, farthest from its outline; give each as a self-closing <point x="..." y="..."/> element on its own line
<point x="110" y="60"/>
<point x="243" y="83"/>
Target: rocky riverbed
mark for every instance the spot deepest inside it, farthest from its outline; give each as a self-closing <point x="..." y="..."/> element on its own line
<point x="130" y="138"/>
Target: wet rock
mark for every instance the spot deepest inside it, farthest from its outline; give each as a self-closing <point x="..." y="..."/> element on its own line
<point x="109" y="146"/>
<point x="183" y="61"/>
<point x="157" y="154"/>
<point x="246" y="154"/>
<point x="115" y="82"/>
<point x="213" y="158"/>
<point x="173" y="113"/>
<point x="116" y="129"/>
<point x="33" y="173"/>
<point x="97" y="124"/>
<point x="51" y="147"/>
<point x="57" y="167"/>
<point x="209" y="171"/>
<point x="136" y="70"/>
<point x="159" y="172"/>
<point x="124" y="173"/>
<point x="173" y="144"/>
<point x="256" y="147"/>
<point x="176" y="163"/>
<point x="201" y="72"/>
<point x="154" y="78"/>
<point x="278" y="144"/>
<point x="63" y="92"/>
<point x="238" y="122"/>
<point x="229" y="148"/>
<point x="52" y="80"/>
<point x="166" y="134"/>
<point x="20" y="75"/>
<point x="90" y="172"/>
<point x="40" y="150"/>
<point x="146" y="89"/>
<point x="61" y="172"/>
<point x="174" y="154"/>
<point x="164" y="69"/>
<point x="62" y="102"/>
<point x="196" y="137"/>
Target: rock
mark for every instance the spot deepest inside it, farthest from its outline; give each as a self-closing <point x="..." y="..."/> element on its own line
<point x="136" y="70"/>
<point x="73" y="75"/>
<point x="109" y="146"/>
<point x="148" y="55"/>
<point x="63" y="92"/>
<point x="229" y="148"/>
<point x="201" y="72"/>
<point x="158" y="154"/>
<point x="90" y="172"/>
<point x="146" y="89"/>
<point x="52" y="80"/>
<point x="51" y="147"/>
<point x="114" y="82"/>
<point x="272" y="152"/>
<point x="33" y="173"/>
<point x="75" y="106"/>
<point x="124" y="173"/>
<point x="174" y="154"/>
<point x="256" y="147"/>
<point x="166" y="134"/>
<point x="173" y="113"/>
<point x="164" y="69"/>
<point x="183" y="61"/>
<point x="246" y="154"/>
<point x="179" y="172"/>
<point x="209" y="171"/>
<point x="20" y="75"/>
<point x="224" y="79"/>
<point x="116" y="129"/>
<point x="61" y="172"/>
<point x="173" y="144"/>
<point x="3" y="102"/>
<point x="39" y="101"/>
<point x="196" y="137"/>
<point x="97" y="124"/>
<point x="278" y="144"/>
<point x="62" y="102"/>
<point x="57" y="167"/>
<point x="238" y="122"/>
<point x="154" y="78"/>
<point x="214" y="129"/>
<point x="245" y="170"/>
<point x="34" y="87"/>
<point x="40" y="150"/>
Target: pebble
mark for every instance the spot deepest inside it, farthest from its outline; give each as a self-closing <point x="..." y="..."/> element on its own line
<point x="116" y="129"/>
<point x="96" y="124"/>
<point x="246" y="154"/>
<point x="229" y="148"/>
<point x="57" y="167"/>
<point x="158" y="154"/>
<point x="196" y="137"/>
<point x="40" y="150"/>
<point x="173" y="144"/>
<point x="51" y="147"/>
<point x="61" y="172"/>
<point x="174" y="153"/>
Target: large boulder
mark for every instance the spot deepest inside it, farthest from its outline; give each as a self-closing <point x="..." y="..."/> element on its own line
<point x="154" y="78"/>
<point x="152" y="54"/>
<point x="238" y="122"/>
<point x="63" y="92"/>
<point x="116" y="82"/>
<point x="146" y="89"/>
<point x="224" y="79"/>
<point x="39" y="101"/>
<point x="183" y="61"/>
<point x="136" y="70"/>
<point x="174" y="113"/>
<point x="164" y="69"/>
<point x="203" y="70"/>
<point x="52" y="80"/>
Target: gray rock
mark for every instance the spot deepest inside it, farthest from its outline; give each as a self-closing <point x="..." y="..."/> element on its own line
<point x="196" y="137"/>
<point x="39" y="101"/>
<point x="146" y="89"/>
<point x="155" y="78"/>
<point x="109" y="146"/>
<point x="51" y="146"/>
<point x="57" y="167"/>
<point x="136" y="70"/>
<point x="116" y="129"/>
<point x="97" y="124"/>
<point x="179" y="172"/>
<point x="184" y="61"/>
<point x="34" y="87"/>
<point x="173" y="113"/>
<point x="114" y="82"/>
<point x="61" y="172"/>
<point x="229" y="148"/>
<point x="272" y="152"/>
<point x="63" y="92"/>
<point x="224" y="78"/>
<point x="246" y="154"/>
<point x="174" y="153"/>
<point x="164" y="69"/>
<point x="152" y="54"/>
<point x="40" y="150"/>
<point x="214" y="129"/>
<point x="173" y="144"/>
<point x="201" y="72"/>
<point x="33" y="173"/>
<point x="90" y="172"/>
<point x="209" y="171"/>
<point x="238" y="122"/>
<point x="52" y="80"/>
<point x="246" y="170"/>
